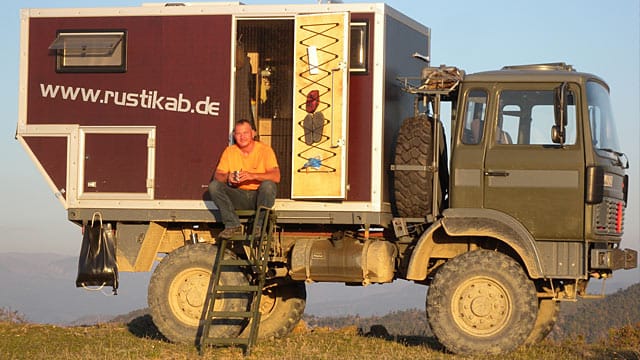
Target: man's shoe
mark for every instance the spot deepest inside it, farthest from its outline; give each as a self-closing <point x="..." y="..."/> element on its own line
<point x="228" y="233"/>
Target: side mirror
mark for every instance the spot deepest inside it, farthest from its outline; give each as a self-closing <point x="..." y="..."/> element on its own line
<point x="558" y="132"/>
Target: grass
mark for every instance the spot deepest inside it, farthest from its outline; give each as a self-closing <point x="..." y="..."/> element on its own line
<point x="140" y="340"/>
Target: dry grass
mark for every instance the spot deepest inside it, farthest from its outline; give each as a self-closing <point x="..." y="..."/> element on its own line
<point x="140" y="340"/>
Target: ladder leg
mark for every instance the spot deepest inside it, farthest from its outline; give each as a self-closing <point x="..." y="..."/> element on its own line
<point x="210" y="298"/>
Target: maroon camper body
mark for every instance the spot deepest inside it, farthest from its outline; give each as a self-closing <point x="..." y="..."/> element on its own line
<point x="127" y="110"/>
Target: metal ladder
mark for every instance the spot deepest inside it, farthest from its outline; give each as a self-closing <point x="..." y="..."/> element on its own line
<point x="256" y="244"/>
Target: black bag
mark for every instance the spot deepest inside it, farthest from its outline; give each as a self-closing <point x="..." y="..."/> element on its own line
<point x="97" y="263"/>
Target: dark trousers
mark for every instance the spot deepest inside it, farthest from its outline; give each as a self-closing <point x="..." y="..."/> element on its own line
<point x="229" y="199"/>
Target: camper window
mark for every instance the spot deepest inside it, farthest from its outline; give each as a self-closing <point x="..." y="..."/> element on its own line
<point x="359" y="47"/>
<point x="79" y="51"/>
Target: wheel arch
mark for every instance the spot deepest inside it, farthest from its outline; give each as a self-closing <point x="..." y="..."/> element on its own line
<point x="459" y="223"/>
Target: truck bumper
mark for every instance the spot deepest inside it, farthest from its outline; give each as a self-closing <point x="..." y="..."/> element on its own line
<point x="614" y="259"/>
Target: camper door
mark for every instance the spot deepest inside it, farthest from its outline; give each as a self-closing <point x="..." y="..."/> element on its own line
<point x="320" y="106"/>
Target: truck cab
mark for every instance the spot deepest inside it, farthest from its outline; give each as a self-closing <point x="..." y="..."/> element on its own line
<point x="562" y="179"/>
<point x="533" y="206"/>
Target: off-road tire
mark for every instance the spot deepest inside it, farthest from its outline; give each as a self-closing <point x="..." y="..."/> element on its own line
<point x="281" y="308"/>
<point x="481" y="302"/>
<point x="413" y="190"/>
<point x="177" y="291"/>
<point x="548" y="310"/>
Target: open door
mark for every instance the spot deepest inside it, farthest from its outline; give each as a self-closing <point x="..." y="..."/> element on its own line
<point x="320" y="106"/>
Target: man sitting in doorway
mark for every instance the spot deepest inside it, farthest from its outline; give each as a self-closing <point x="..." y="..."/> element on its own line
<point x="245" y="178"/>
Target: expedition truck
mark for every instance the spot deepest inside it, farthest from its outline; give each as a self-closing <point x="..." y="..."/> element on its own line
<point x="125" y="112"/>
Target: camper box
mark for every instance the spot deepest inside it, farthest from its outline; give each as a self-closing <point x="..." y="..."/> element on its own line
<point x="125" y="111"/>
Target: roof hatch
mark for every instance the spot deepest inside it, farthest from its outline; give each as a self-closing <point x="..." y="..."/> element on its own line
<point x="559" y="66"/>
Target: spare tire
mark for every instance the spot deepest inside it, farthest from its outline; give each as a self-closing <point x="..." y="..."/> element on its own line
<point x="413" y="188"/>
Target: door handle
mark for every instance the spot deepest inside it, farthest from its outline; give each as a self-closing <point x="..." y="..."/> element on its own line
<point x="496" y="173"/>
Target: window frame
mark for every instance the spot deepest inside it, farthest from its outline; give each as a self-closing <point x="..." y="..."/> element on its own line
<point x="575" y="131"/>
<point x="364" y="48"/>
<point x="69" y="50"/>
<point x="468" y="115"/>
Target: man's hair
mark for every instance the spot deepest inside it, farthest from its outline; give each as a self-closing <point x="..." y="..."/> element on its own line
<point x="244" y="121"/>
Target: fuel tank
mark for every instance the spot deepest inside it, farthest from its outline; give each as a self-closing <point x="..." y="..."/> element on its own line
<point x="346" y="259"/>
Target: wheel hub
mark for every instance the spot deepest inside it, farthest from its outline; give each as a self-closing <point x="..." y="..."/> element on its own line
<point x="481" y="306"/>
<point x="187" y="295"/>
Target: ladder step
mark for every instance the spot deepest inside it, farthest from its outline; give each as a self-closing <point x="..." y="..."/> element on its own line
<point x="217" y="315"/>
<point x="239" y="288"/>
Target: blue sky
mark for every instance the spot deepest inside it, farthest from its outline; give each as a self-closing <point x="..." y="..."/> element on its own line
<point x="594" y="36"/>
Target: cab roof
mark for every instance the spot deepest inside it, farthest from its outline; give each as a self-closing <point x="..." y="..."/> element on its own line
<point x="547" y="72"/>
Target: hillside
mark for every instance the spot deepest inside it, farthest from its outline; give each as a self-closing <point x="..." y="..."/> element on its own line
<point x="412" y="322"/>
<point x="591" y="319"/>
<point x="27" y="277"/>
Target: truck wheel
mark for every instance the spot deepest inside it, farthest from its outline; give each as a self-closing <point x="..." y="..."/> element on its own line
<point x="548" y="310"/>
<point x="481" y="302"/>
<point x="413" y="189"/>
<point x="281" y="309"/>
<point x="177" y="292"/>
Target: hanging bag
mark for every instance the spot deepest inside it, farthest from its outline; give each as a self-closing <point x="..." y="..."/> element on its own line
<point x="97" y="263"/>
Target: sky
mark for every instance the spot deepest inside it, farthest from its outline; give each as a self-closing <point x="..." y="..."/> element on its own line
<point x="594" y="36"/>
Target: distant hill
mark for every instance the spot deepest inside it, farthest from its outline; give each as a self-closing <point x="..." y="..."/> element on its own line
<point x="588" y="319"/>
<point x="42" y="287"/>
<point x="411" y="322"/>
<point x="591" y="319"/>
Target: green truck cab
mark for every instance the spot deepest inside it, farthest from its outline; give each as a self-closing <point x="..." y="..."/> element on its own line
<point x="536" y="186"/>
<point x="568" y="190"/>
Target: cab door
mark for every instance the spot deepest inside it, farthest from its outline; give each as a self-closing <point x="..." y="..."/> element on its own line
<point x="320" y="106"/>
<point x="526" y="175"/>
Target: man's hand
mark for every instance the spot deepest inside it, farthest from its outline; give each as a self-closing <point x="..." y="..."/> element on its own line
<point x="244" y="176"/>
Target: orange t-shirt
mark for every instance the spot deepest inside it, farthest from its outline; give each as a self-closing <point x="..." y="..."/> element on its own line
<point x="259" y="160"/>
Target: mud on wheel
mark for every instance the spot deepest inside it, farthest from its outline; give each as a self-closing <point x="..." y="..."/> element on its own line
<point x="481" y="302"/>
<point x="548" y="310"/>
<point x="281" y="308"/>
<point x="177" y="292"/>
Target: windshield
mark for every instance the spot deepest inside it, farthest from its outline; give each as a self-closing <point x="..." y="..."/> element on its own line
<point x="603" y="130"/>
